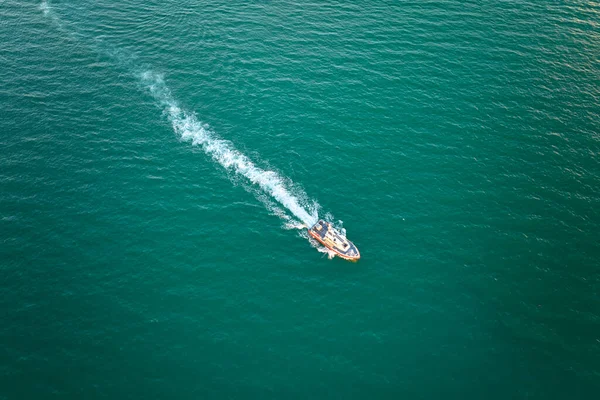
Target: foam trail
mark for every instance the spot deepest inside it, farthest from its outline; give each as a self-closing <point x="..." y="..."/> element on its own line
<point x="45" y="7"/>
<point x="58" y="23"/>
<point x="189" y="128"/>
<point x="47" y="10"/>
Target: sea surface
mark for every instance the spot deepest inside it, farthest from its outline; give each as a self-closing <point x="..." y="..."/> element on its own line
<point x="159" y="160"/>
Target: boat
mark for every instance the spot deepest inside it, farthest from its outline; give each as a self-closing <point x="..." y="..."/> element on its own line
<point x="331" y="238"/>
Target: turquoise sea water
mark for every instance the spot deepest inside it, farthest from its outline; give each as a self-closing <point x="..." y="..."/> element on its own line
<point x="159" y="158"/>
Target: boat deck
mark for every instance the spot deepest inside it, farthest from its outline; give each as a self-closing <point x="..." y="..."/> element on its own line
<point x="334" y="240"/>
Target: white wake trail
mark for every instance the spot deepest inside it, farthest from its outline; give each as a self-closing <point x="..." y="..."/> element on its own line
<point x="45" y="7"/>
<point x="189" y="128"/>
<point x="186" y="125"/>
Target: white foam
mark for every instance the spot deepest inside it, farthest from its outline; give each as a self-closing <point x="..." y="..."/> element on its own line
<point x="330" y="254"/>
<point x="187" y="126"/>
<point x="49" y="13"/>
<point x="291" y="225"/>
<point x="316" y="245"/>
<point x="45" y="7"/>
